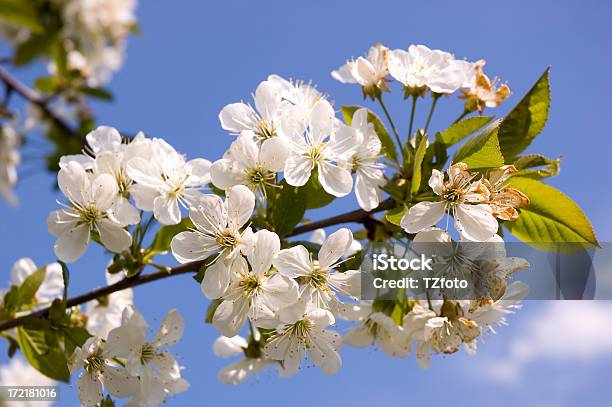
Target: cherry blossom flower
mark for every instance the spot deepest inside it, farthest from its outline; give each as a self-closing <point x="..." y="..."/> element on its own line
<point x="158" y="372"/>
<point x="263" y="122"/>
<point x="364" y="161"/>
<point x="306" y="335"/>
<point x="319" y="236"/>
<point x="462" y="197"/>
<point x="302" y="97"/>
<point x="239" y="371"/>
<point x="420" y="68"/>
<point x="256" y="294"/>
<point x="318" y="280"/>
<point x="479" y="92"/>
<point x="217" y="230"/>
<point x="320" y="143"/>
<point x="375" y="327"/>
<point x="98" y="371"/>
<point x="246" y="163"/>
<point x="104" y="313"/>
<point x="9" y="159"/>
<point x="167" y="180"/>
<point x="504" y="199"/>
<point x="91" y="199"/>
<point x="370" y="72"/>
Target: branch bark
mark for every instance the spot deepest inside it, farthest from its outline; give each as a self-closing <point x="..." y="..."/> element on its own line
<point x="356" y="216"/>
<point x="37" y="99"/>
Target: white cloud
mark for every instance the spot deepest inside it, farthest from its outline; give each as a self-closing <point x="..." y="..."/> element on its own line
<point x="563" y="331"/>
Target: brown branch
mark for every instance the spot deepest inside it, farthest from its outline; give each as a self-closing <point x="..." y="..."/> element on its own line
<point x="356" y="216"/>
<point x="37" y="99"/>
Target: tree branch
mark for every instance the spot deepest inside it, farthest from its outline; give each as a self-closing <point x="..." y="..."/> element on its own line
<point x="37" y="99"/>
<point x="356" y="216"/>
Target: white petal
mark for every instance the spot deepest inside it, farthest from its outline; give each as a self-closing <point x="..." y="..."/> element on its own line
<point x="191" y="246"/>
<point x="119" y="383"/>
<point x="298" y="169"/>
<point x="245" y="150"/>
<point x="166" y="210"/>
<point x="436" y="182"/>
<point x="90" y="389"/>
<point x="209" y="216"/>
<point x="104" y="138"/>
<point x="359" y="337"/>
<point x="199" y="170"/>
<point x="267" y="99"/>
<point x="334" y="179"/>
<point x="347" y="283"/>
<point x="475" y="222"/>
<point x="53" y="285"/>
<point x="73" y="181"/>
<point x="237" y="117"/>
<point x="113" y="236"/>
<point x="124" y="212"/>
<point x="21" y="270"/>
<point x="343" y="74"/>
<point x="293" y="262"/>
<point x="267" y="246"/>
<point x="225" y="173"/>
<point x="103" y="191"/>
<point x="422" y="216"/>
<point x="239" y="204"/>
<point x="144" y="197"/>
<point x="230" y="316"/>
<point x="322" y="119"/>
<point x="273" y="154"/>
<point x="170" y="330"/>
<point x="225" y="347"/>
<point x="216" y="279"/>
<point x="368" y="195"/>
<point x="145" y="172"/>
<point x="71" y="244"/>
<point x="61" y="221"/>
<point x="363" y="72"/>
<point x="334" y="247"/>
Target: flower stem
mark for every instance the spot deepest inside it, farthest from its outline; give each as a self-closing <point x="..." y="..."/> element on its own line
<point x="395" y="133"/>
<point x="462" y="115"/>
<point x="435" y="97"/>
<point x="412" y="110"/>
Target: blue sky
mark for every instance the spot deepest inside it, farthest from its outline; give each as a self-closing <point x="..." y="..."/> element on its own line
<point x="194" y="57"/>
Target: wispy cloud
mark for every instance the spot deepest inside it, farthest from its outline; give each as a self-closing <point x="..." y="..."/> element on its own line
<point x="560" y="331"/>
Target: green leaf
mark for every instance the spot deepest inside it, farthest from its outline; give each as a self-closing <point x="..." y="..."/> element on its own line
<point x="48" y="360"/>
<point x="460" y="130"/>
<point x="29" y="287"/>
<point x="418" y="164"/>
<point x="45" y="84"/>
<point x="107" y="402"/>
<point x="210" y="312"/>
<point x="315" y="195"/>
<point x="526" y="120"/>
<point x="395" y="215"/>
<point x="482" y="150"/>
<point x="161" y="242"/>
<point x="546" y="167"/>
<point x="73" y="336"/>
<point x="22" y="13"/>
<point x="34" y="47"/>
<point x="98" y="93"/>
<point x="388" y="146"/>
<point x="286" y="207"/>
<point x="550" y="217"/>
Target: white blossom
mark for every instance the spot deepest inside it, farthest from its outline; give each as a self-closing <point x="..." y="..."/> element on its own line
<point x="217" y="230"/>
<point x="250" y="164"/>
<point x="420" y="68"/>
<point x="306" y="335"/>
<point x="319" y="281"/>
<point x="258" y="293"/>
<point x="91" y="199"/>
<point x="158" y="371"/>
<point x="462" y="197"/>
<point x="364" y="160"/>
<point x="320" y="143"/>
<point x="370" y="72"/>
<point x="92" y="357"/>
<point x="166" y="180"/>
<point x="237" y="372"/>
<point x="318" y="236"/>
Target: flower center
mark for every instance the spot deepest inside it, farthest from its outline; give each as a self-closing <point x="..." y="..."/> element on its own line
<point x="94" y="363"/>
<point x="316" y="153"/>
<point x="454" y="196"/>
<point x="227" y="240"/>
<point x="260" y="176"/>
<point x="147" y="353"/>
<point x="301" y="329"/>
<point x="265" y="130"/>
<point x="316" y="279"/>
<point x="90" y="214"/>
<point x="249" y="285"/>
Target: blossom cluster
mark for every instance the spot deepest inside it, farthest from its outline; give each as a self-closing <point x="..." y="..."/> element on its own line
<point x="126" y="364"/>
<point x="419" y="69"/>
